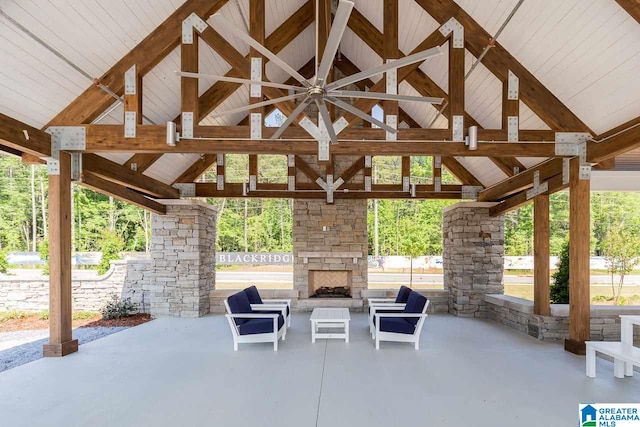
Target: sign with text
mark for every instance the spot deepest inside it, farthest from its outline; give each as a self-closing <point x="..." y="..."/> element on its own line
<point x="254" y="258"/>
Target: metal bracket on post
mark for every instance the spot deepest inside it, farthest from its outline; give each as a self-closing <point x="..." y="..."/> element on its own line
<point x="186" y="189"/>
<point x="340" y="125"/>
<point x="413" y="190"/>
<point x="392" y="121"/>
<point x="437" y="184"/>
<point x="53" y="162"/>
<point x="130" y="81"/>
<point x="191" y="22"/>
<point x="471" y="191"/>
<point x="252" y="182"/>
<point x="513" y="86"/>
<point x="367" y="183"/>
<point x="566" y="167"/>
<point x="130" y="124"/>
<point x="72" y="138"/>
<point x="458" y="32"/>
<point x="458" y="129"/>
<point x="512" y="131"/>
<point x="220" y="178"/>
<point x="256" y="75"/>
<point x="256" y="125"/>
<point x="392" y="80"/>
<point x="187" y="125"/>
<point x="367" y="161"/>
<point x="76" y="167"/>
<point x="437" y="160"/>
<point x="406" y="184"/>
<point x="538" y="188"/>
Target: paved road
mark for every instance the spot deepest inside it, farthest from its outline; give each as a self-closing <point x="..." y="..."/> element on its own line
<point x="283" y="277"/>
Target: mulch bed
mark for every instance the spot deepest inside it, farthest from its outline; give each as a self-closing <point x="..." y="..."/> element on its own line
<point x="133" y="320"/>
<point x="32" y="322"/>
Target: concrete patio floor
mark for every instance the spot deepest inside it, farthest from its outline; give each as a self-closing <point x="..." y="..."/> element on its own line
<point x="182" y="372"/>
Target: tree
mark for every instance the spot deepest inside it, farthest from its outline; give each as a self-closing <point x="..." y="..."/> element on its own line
<point x="559" y="292"/>
<point x="622" y="253"/>
<point x="111" y="244"/>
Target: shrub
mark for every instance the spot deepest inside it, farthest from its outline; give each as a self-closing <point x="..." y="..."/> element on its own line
<point x="116" y="308"/>
<point x="560" y="287"/>
<point x="83" y="315"/>
<point x="43" y="315"/>
<point x="620" y="301"/>
<point x="43" y="249"/>
<point x="599" y="298"/>
<point x="4" y="265"/>
<point x="111" y="244"/>
<point x="12" y="315"/>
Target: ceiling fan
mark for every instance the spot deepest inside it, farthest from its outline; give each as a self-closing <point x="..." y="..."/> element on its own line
<point x="317" y="90"/>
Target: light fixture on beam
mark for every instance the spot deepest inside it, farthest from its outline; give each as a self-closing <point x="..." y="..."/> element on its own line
<point x="172" y="134"/>
<point x="472" y="138"/>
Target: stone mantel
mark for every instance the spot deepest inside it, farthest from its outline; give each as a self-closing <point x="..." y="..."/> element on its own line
<point x="306" y="255"/>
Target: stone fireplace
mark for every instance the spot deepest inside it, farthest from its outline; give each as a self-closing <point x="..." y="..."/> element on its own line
<point x="330" y="247"/>
<point x="329" y="284"/>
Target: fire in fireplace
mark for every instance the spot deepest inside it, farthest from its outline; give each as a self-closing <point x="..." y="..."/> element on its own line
<point x="332" y="292"/>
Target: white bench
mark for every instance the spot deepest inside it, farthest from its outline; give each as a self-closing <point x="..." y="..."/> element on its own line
<point x="624" y="357"/>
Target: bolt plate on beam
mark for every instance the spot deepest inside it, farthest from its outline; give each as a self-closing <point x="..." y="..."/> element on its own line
<point x="130" y="124"/>
<point x="187" y="125"/>
<point x="69" y="137"/>
<point x="256" y="75"/>
<point x="585" y="172"/>
<point x="392" y="121"/>
<point x="367" y="183"/>
<point x="512" y="131"/>
<point x="291" y="161"/>
<point x="437" y="160"/>
<point x="566" y="163"/>
<point x="536" y="178"/>
<point x="437" y="184"/>
<point x="219" y="159"/>
<point x="340" y="125"/>
<point x="53" y="166"/>
<point x="311" y="128"/>
<point x="536" y="191"/>
<point x="471" y="191"/>
<point x="76" y="167"/>
<point x="392" y="80"/>
<point x="220" y="182"/>
<point x="574" y="137"/>
<point x="458" y="32"/>
<point x="291" y="183"/>
<point x="191" y="22"/>
<point x="256" y="125"/>
<point x="367" y="161"/>
<point x="323" y="151"/>
<point x="406" y="183"/>
<point x="186" y="189"/>
<point x="252" y="182"/>
<point x="513" y="86"/>
<point x="566" y="149"/>
<point x="458" y="128"/>
<point x="130" y="81"/>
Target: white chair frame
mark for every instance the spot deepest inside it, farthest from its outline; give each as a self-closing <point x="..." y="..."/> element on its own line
<point x="270" y="302"/>
<point x="378" y="307"/>
<point x="398" y="337"/>
<point x="253" y="338"/>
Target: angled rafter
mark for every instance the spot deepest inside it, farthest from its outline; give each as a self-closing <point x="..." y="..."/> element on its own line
<point x="146" y="55"/>
<point x="533" y="93"/>
<point x="120" y="192"/>
<point x="632" y="7"/>
<point x="196" y="170"/>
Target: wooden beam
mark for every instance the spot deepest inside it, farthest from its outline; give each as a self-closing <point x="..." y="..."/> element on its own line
<point x="498" y="60"/>
<point x="257" y="32"/>
<point x="541" y="255"/>
<point x="304" y="167"/>
<point x="112" y="171"/>
<point x="509" y="165"/>
<point x="61" y="340"/>
<point x="520" y="199"/>
<point x="120" y="192"/>
<point x="30" y="159"/>
<point x="146" y="55"/>
<point x="460" y="172"/>
<point x="275" y="42"/>
<point x="510" y="107"/>
<point x="197" y="169"/>
<point x="579" y="269"/>
<point x="632" y="7"/>
<point x="12" y="151"/>
<point x="353" y="169"/>
<point x="189" y="87"/>
<point x="606" y="164"/>
<point x="12" y="135"/>
<point x="142" y="161"/>
<point x="521" y="181"/>
<point x="615" y="142"/>
<point x="456" y="82"/>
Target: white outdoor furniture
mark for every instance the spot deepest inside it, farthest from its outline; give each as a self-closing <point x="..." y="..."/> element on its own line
<point x="256" y="300"/>
<point x="623" y="352"/>
<point x="249" y="325"/>
<point x="330" y="318"/>
<point x="393" y="305"/>
<point x="382" y="308"/>
<point x="405" y="326"/>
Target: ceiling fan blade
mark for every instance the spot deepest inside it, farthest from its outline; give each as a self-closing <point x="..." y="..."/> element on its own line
<point x="326" y="118"/>
<point x="364" y="116"/>
<point x="241" y="81"/>
<point x="257" y="105"/>
<point x="383" y="96"/>
<point x="333" y="41"/>
<point x="407" y="60"/>
<point x="294" y="114"/>
<point x="221" y="22"/>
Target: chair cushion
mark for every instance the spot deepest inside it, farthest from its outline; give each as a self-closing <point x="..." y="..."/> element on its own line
<point x="253" y="294"/>
<point x="395" y="324"/>
<point x="403" y="295"/>
<point x="259" y="326"/>
<point x="239" y="303"/>
<point x="415" y="304"/>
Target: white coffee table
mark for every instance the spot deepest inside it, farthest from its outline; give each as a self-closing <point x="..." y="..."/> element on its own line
<point x="330" y="318"/>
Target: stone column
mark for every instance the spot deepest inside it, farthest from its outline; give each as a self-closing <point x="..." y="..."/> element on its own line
<point x="473" y="257"/>
<point x="183" y="253"/>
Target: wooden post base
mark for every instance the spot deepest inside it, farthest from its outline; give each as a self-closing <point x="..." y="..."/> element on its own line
<point x="59" y="350"/>
<point x="575" y="347"/>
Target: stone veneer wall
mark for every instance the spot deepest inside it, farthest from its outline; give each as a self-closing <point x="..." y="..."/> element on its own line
<point x="473" y="257"/>
<point x="517" y="313"/>
<point x="128" y="279"/>
<point x="346" y="222"/>
<point x="183" y="253"/>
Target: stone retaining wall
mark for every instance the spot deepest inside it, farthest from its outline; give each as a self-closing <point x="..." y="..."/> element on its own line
<point x="517" y="313"/>
<point x="128" y="279"/>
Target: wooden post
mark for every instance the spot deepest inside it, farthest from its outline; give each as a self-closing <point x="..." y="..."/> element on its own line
<point x="541" y="255"/>
<point x="579" y="277"/>
<point x="257" y="31"/>
<point x="61" y="341"/>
